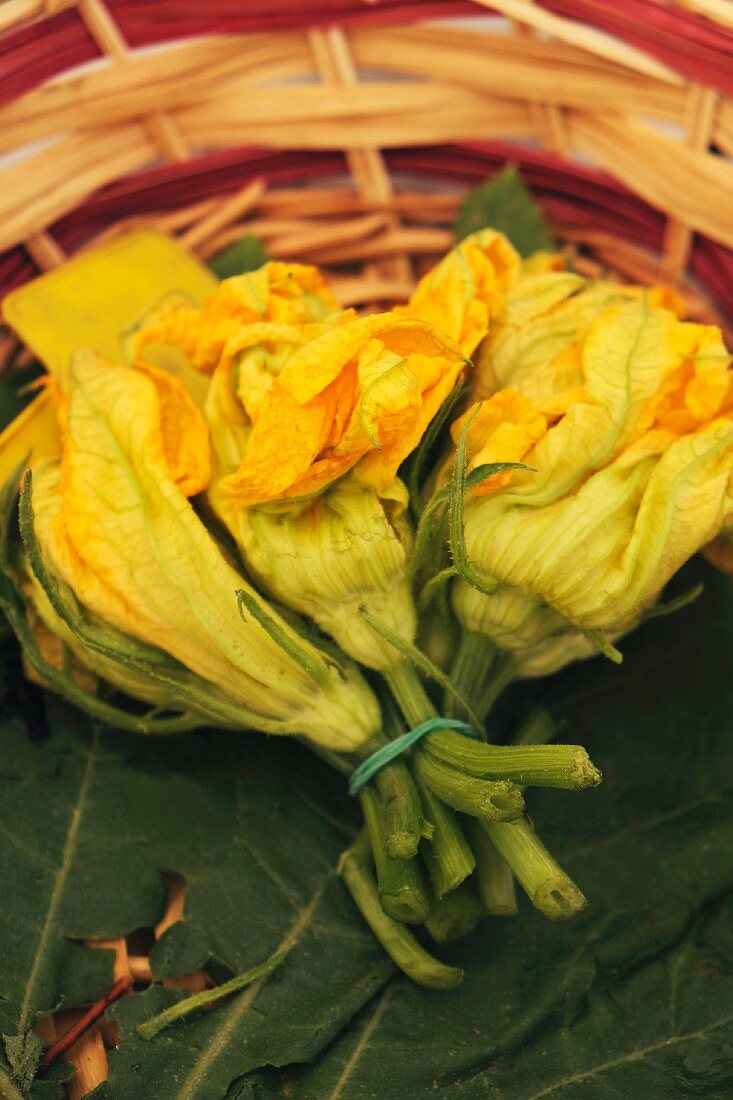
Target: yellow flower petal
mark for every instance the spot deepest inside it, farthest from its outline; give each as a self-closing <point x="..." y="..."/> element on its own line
<point x="135" y="553"/>
<point x="502" y="429"/>
<point x="363" y="392"/>
<point x="633" y="479"/>
<point x="535" y="345"/>
<point x="289" y="294"/>
<point x="466" y="290"/>
<point x="540" y="263"/>
<point x="184" y="431"/>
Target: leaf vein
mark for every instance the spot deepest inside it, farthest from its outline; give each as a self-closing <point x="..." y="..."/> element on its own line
<point x="62" y="875"/>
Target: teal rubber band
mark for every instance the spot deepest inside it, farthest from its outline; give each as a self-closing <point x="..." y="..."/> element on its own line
<point x="385" y="754"/>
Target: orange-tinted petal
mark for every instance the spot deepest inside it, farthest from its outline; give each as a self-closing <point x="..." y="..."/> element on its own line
<point x="502" y="429"/>
<point x="185" y="432"/>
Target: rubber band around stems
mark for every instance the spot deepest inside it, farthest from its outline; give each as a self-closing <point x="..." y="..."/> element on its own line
<point x="385" y="754"/>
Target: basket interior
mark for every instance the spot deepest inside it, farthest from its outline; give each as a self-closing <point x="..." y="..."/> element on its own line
<point x="624" y="141"/>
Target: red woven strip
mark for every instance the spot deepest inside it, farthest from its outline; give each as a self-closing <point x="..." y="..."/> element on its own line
<point x="44" y="49"/>
<point x="579" y="196"/>
<point x="143" y="21"/>
<point x="35" y="53"/>
<point x="691" y="44"/>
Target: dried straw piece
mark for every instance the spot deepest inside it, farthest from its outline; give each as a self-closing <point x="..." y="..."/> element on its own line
<point x="227" y="211"/>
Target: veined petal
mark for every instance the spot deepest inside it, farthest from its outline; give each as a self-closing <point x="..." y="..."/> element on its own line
<point x="503" y="428"/>
<point x="282" y="446"/>
<point x="390" y="402"/>
<point x="228" y="422"/>
<point x="134" y="552"/>
<point x="291" y="294"/>
<point x="184" y="430"/>
<point x="535" y="346"/>
<point x="331" y="554"/>
<point x="363" y="392"/>
<point x="466" y="290"/>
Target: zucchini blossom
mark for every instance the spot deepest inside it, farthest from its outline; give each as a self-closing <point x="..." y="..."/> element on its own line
<point x="125" y="561"/>
<point x="308" y="463"/>
<point x="293" y="294"/>
<point x="631" y="472"/>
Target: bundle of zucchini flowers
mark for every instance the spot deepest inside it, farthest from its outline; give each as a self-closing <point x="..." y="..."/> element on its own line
<point x="351" y="528"/>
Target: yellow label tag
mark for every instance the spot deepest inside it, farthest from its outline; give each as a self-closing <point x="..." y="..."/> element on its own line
<point x="89" y="302"/>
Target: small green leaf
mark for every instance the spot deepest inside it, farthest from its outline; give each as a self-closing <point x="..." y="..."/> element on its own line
<point x="23" y="1053"/>
<point x="244" y="255"/>
<point x="488" y="469"/>
<point x="506" y="204"/>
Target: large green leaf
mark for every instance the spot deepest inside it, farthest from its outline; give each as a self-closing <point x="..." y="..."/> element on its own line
<point x="574" y="1011"/>
<point x="623" y="1002"/>
<point x="91" y="819"/>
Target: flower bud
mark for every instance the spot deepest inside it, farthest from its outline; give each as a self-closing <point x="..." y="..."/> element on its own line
<point x="120" y="533"/>
<point x="630" y="482"/>
<point x="535" y="345"/>
<point x="250" y="360"/>
<point x="359" y="396"/>
<point x="315" y="507"/>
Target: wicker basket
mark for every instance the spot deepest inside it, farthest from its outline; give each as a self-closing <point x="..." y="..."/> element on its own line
<point x="619" y="115"/>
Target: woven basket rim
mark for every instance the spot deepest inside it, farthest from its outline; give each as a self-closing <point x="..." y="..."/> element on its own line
<point x="33" y="49"/>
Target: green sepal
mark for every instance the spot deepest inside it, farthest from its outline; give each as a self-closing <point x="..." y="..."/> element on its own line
<point x="317" y="670"/>
<point x="13" y="605"/>
<point x="420" y="661"/>
<point x="421" y="456"/>
<point x="149" y="661"/>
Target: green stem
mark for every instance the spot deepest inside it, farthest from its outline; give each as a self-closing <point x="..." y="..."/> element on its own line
<point x="503" y="673"/>
<point x="497" y="800"/>
<point x="494" y="880"/>
<point x="475" y="657"/>
<point x="341" y="761"/>
<point x="564" y="766"/>
<point x="403" y="820"/>
<point x="409" y="693"/>
<point x="404" y="824"/>
<point x="448" y="858"/>
<point x="401" y="889"/>
<point x="398" y="942"/>
<point x="538" y="728"/>
<point x="454" y="915"/>
<point x="548" y="887"/>
<point x="416" y="659"/>
<point x="181" y="1009"/>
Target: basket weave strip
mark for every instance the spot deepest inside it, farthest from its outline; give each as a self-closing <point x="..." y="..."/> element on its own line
<point x="211" y="94"/>
<point x="694" y="39"/>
